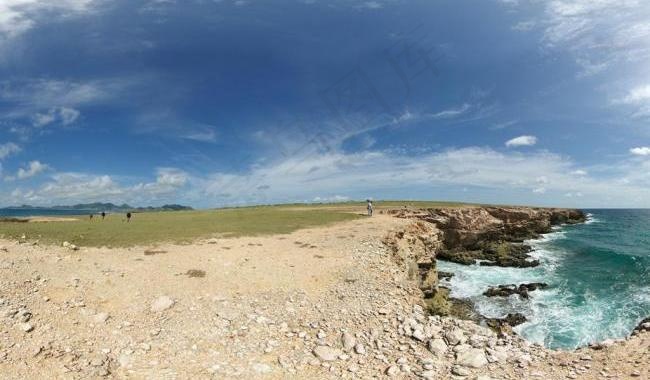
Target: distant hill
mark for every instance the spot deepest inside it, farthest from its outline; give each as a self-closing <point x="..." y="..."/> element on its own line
<point x="108" y="207"/>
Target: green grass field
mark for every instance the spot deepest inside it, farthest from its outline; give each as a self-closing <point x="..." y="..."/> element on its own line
<point x="186" y="226"/>
<point x="178" y="227"/>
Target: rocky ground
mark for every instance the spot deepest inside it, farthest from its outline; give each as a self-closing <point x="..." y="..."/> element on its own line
<point x="335" y="302"/>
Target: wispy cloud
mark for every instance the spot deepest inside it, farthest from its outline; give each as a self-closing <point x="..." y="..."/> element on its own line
<point x="18" y="16"/>
<point x="7" y="149"/>
<point x="452" y="112"/>
<point x="62" y="115"/>
<point x="522" y="141"/>
<point x="599" y="34"/>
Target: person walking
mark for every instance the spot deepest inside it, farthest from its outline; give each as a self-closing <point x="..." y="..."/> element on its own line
<point x="128" y="217"/>
<point x="103" y="215"/>
<point x="370" y="207"/>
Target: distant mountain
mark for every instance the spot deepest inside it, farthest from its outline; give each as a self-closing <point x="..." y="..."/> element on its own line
<point x="108" y="207"/>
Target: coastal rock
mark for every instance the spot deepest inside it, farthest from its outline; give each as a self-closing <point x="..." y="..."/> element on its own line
<point x="644" y="325"/>
<point x="438" y="347"/>
<point x="492" y="234"/>
<point x="326" y="353"/>
<point x="455" y="337"/>
<point x="473" y="358"/>
<point x="504" y="324"/>
<point x="508" y="290"/>
<point x="459" y="371"/>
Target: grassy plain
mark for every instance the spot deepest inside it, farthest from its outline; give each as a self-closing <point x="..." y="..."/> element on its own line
<point x="186" y="226"/>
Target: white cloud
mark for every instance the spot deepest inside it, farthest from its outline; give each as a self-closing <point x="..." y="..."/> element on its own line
<point x="168" y="181"/>
<point x="522" y="141"/>
<point x="331" y="199"/>
<point x="641" y="151"/>
<point x="639" y="98"/>
<point x="511" y="177"/>
<point x="579" y="172"/>
<point x="18" y="16"/>
<point x="7" y="149"/>
<point x="62" y="115"/>
<point x="573" y="195"/>
<point x="82" y="187"/>
<point x="34" y="168"/>
<point x="638" y="95"/>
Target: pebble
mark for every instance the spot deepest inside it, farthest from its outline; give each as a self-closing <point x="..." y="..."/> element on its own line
<point x="326" y="353"/>
<point x="459" y="371"/>
<point x="392" y="371"/>
<point x="162" y="303"/>
<point x="26" y="327"/>
<point x="348" y="341"/>
<point x="101" y="317"/>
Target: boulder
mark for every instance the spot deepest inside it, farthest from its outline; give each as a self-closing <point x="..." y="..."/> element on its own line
<point x="473" y="358"/>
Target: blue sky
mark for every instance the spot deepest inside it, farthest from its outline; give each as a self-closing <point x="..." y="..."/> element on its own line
<point x="213" y="103"/>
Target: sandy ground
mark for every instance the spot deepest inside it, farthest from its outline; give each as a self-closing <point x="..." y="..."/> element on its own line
<point x="251" y="307"/>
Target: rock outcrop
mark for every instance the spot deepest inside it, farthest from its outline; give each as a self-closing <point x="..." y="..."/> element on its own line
<point x="491" y="236"/>
<point x="508" y="290"/>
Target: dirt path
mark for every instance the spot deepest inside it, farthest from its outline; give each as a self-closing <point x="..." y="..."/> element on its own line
<point x="318" y="303"/>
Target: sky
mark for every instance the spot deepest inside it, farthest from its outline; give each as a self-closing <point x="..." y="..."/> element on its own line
<point x="215" y="103"/>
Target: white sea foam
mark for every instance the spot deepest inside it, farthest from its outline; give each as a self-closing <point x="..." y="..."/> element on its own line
<point x="562" y="316"/>
<point x="591" y="219"/>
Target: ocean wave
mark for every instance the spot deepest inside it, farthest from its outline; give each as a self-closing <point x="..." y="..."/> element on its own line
<point x="591" y="219"/>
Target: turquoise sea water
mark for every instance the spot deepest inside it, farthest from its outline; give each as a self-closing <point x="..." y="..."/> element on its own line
<point x="599" y="277"/>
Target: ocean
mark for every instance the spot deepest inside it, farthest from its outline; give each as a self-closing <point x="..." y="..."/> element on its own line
<point x="27" y="212"/>
<point x="598" y="275"/>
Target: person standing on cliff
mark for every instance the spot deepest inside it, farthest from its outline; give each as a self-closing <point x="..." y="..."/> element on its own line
<point x="370" y="207"/>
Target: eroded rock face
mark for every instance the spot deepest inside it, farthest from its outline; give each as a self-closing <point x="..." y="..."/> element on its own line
<point x="491" y="234"/>
<point x="416" y="248"/>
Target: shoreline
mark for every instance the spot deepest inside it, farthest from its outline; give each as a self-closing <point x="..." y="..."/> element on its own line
<point x="497" y="310"/>
<point x="341" y="301"/>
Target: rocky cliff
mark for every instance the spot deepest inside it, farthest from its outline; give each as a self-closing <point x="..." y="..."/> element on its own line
<point x="488" y="235"/>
